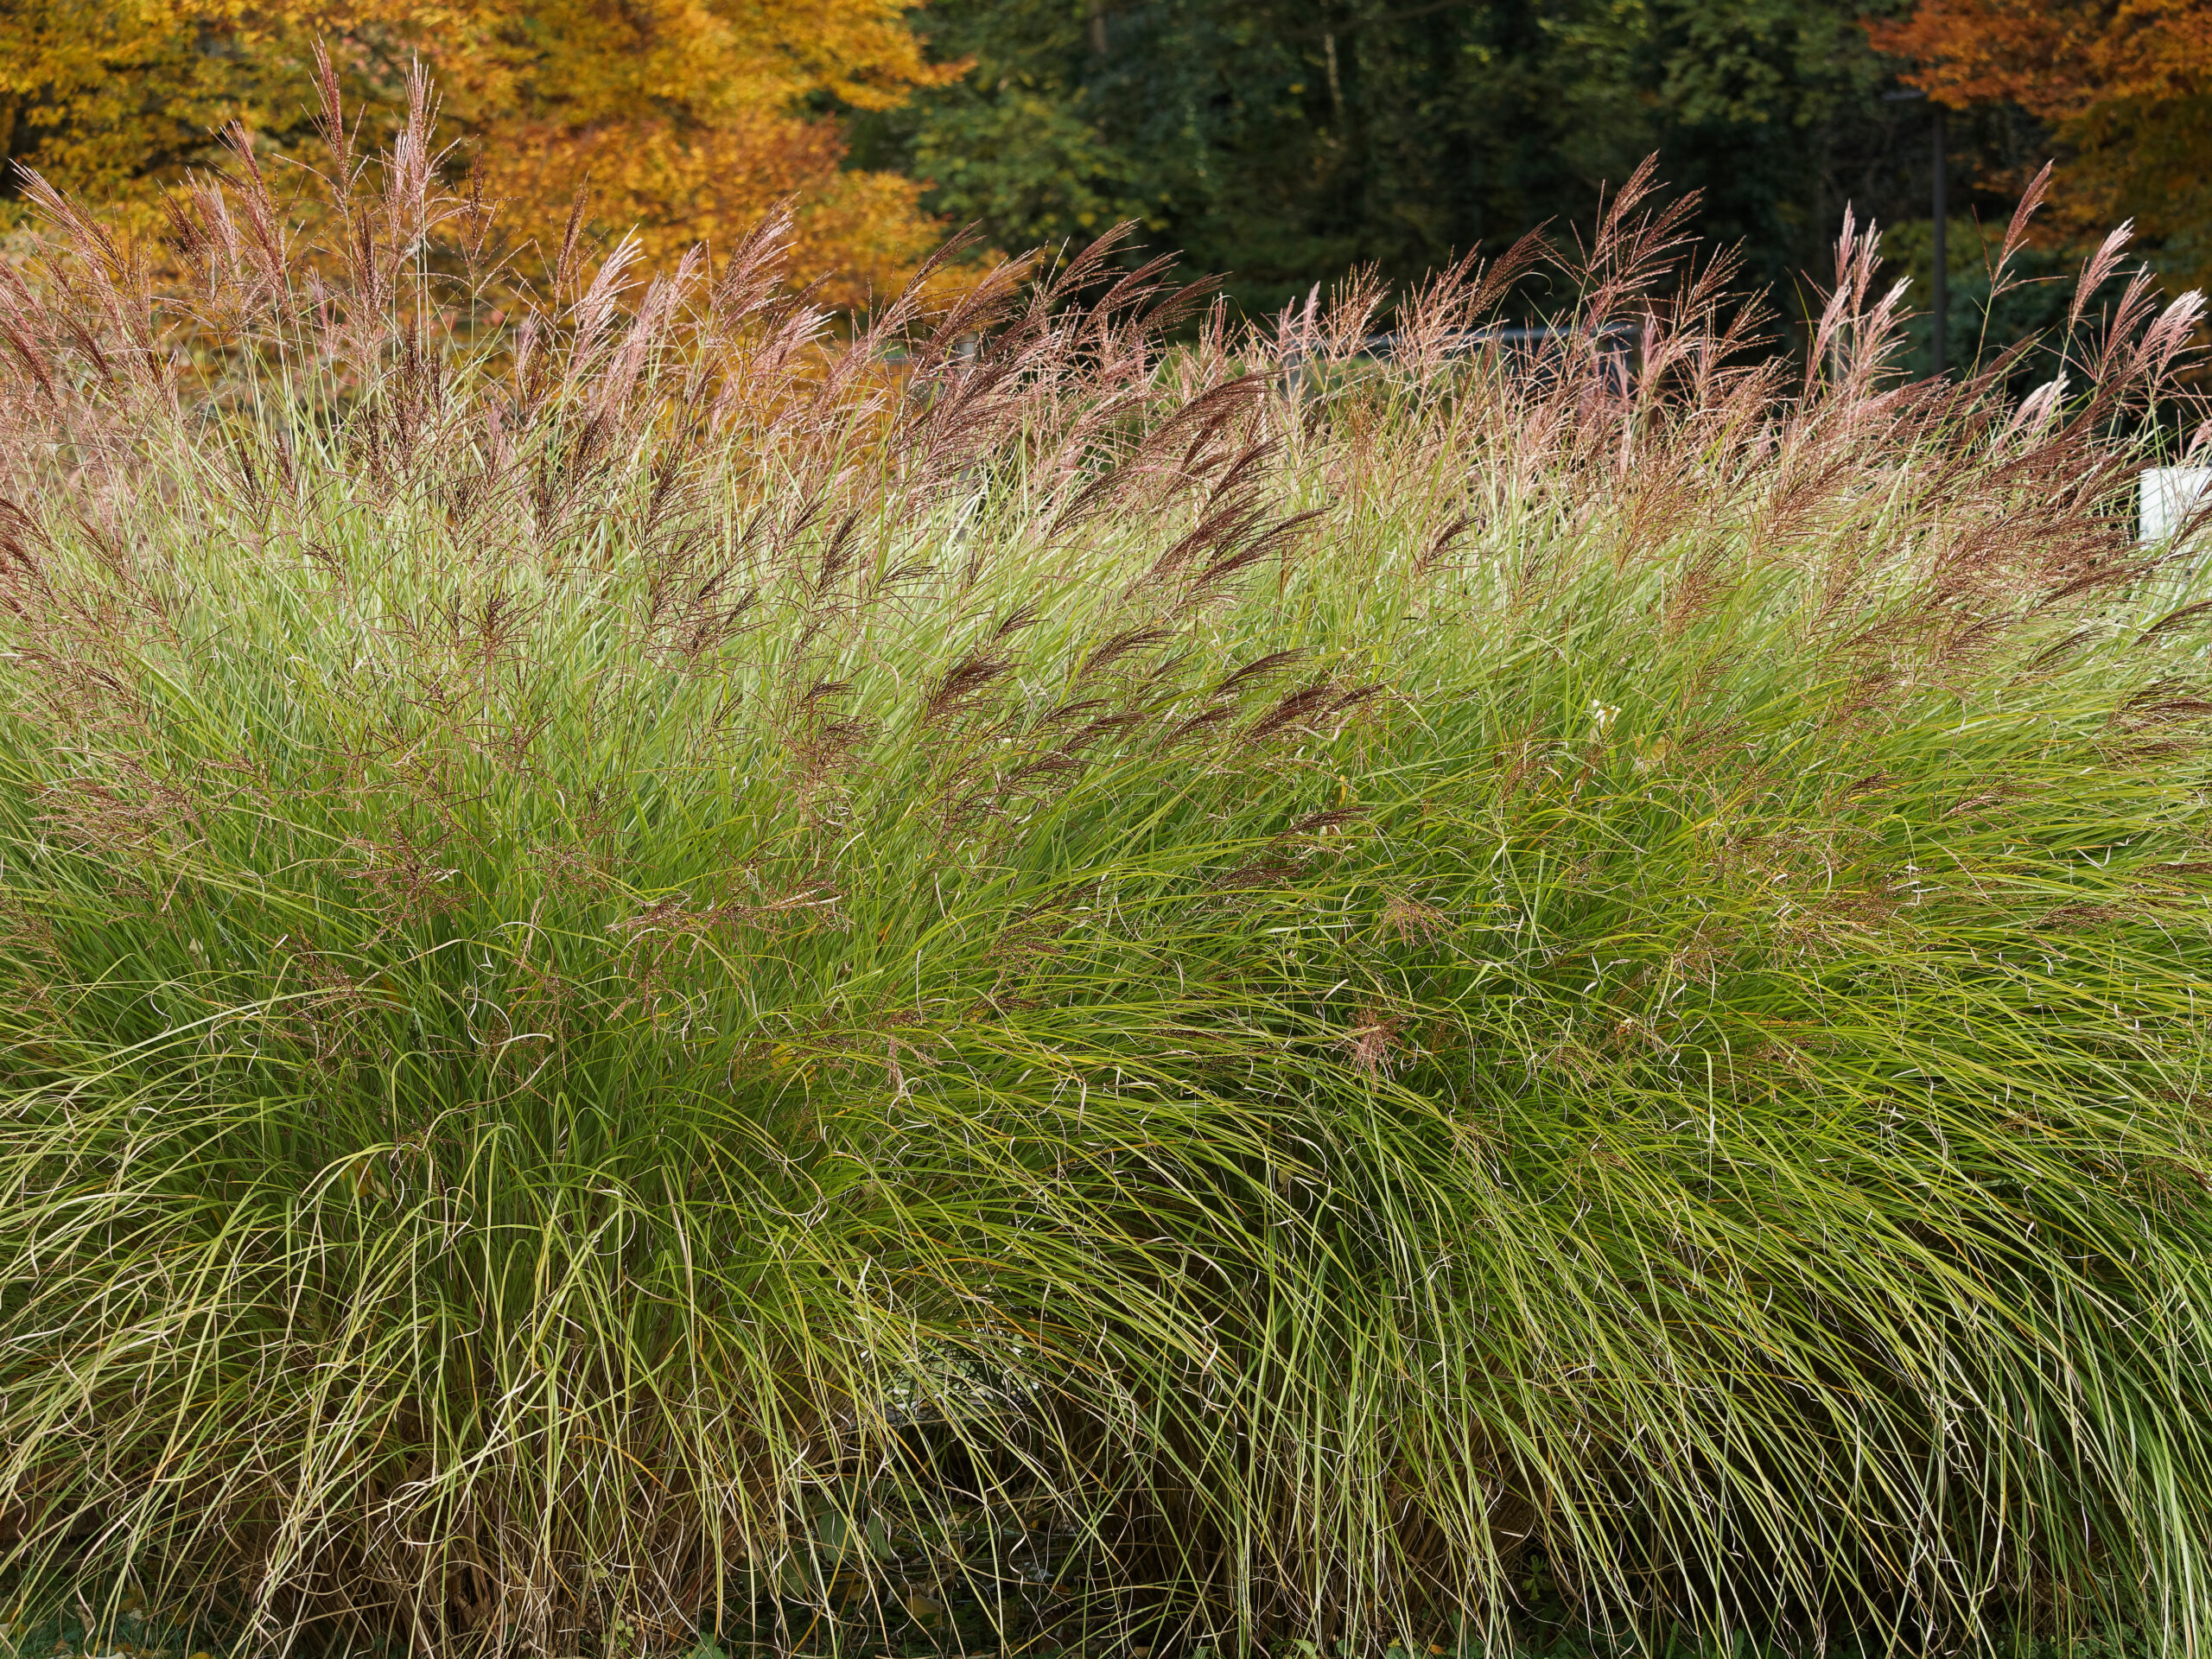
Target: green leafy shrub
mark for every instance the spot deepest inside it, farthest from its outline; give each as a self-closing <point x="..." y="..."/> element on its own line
<point x="661" y="968"/>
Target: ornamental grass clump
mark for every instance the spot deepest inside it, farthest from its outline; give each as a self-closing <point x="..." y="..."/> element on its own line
<point x="665" y="969"/>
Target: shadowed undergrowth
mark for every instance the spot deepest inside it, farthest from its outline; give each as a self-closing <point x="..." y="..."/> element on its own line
<point x="664" y="971"/>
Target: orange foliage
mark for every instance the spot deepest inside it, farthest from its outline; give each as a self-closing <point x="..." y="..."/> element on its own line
<point x="2058" y="59"/>
<point x="690" y="118"/>
<point x="2127" y="84"/>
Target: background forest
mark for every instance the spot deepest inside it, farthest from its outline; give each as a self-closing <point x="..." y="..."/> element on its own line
<point x="1278" y="142"/>
<point x="1281" y="141"/>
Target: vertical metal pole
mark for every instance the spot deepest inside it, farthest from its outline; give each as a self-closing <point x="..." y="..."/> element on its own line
<point x="1942" y="268"/>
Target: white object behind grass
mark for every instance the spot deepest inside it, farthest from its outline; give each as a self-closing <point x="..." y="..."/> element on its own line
<point x="2170" y="494"/>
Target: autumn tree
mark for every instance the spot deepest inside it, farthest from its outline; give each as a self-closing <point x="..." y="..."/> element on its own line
<point x="2127" y="86"/>
<point x="688" y="117"/>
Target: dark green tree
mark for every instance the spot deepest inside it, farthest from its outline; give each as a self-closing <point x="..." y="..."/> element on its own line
<point x="1283" y="141"/>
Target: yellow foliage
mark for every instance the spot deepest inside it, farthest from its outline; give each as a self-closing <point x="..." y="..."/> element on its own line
<point x="690" y="117"/>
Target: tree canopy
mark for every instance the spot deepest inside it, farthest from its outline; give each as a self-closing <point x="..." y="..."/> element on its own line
<point x="2125" y="84"/>
<point x="1284" y="140"/>
<point x="690" y="117"/>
